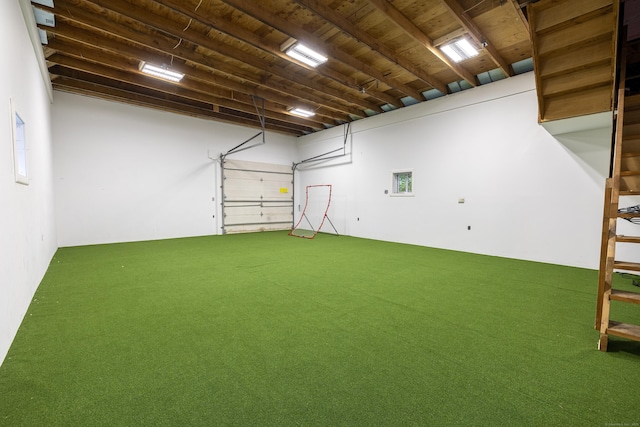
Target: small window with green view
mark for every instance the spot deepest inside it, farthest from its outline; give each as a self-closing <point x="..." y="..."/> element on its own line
<point x="402" y="183"/>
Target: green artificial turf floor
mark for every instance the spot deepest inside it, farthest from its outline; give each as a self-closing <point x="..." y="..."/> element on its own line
<point x="267" y="329"/>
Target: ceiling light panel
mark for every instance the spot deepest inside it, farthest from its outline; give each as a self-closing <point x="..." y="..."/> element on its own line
<point x="302" y="112"/>
<point x="160" y="72"/>
<point x="459" y="50"/>
<point x="303" y="54"/>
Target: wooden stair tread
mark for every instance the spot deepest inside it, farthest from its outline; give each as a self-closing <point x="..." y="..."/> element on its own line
<point x="569" y="36"/>
<point x="631" y="110"/>
<point x="552" y="16"/>
<point x="632" y="100"/>
<point x="577" y="59"/>
<point x="629" y="183"/>
<point x="628" y="239"/>
<point x="624" y="330"/>
<point x="633" y="153"/>
<point x="631" y="131"/>
<point x="581" y="103"/>
<point x="625" y="296"/>
<point x="577" y="81"/>
<point x="628" y="215"/>
<point x="624" y="265"/>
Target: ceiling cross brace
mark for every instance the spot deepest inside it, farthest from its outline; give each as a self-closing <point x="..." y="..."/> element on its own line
<point x="261" y="118"/>
<point x="325" y="156"/>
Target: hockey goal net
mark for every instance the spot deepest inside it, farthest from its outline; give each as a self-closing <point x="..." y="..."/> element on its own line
<point x="314" y="214"/>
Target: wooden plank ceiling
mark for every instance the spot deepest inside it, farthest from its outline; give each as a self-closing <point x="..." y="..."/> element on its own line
<point x="383" y="54"/>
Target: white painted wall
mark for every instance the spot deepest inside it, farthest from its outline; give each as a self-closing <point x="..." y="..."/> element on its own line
<point x="528" y="195"/>
<point x="27" y="226"/>
<point x="125" y="173"/>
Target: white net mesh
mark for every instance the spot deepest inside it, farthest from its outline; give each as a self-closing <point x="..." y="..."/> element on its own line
<point x="312" y="218"/>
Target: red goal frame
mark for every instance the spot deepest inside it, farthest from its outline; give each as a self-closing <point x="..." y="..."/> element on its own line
<point x="304" y="216"/>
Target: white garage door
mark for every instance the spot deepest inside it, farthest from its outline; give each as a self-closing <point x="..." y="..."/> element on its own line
<point x="256" y="196"/>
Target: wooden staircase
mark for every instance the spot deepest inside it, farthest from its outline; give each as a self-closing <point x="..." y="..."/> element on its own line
<point x="624" y="182"/>
<point x="576" y="59"/>
<point x="574" y="56"/>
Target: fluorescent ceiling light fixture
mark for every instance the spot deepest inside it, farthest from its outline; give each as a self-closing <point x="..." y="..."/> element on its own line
<point x="160" y="72"/>
<point x="459" y="50"/>
<point x="302" y="112"/>
<point x="306" y="55"/>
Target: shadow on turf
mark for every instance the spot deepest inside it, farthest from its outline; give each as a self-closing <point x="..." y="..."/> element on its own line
<point x="630" y="347"/>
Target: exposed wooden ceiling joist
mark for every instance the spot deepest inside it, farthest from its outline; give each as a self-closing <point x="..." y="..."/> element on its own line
<point x="258" y="12"/>
<point x="416" y="33"/>
<point x="520" y="12"/>
<point x="180" y="34"/>
<point x="382" y="54"/>
<point x="474" y="31"/>
<point x="343" y="23"/>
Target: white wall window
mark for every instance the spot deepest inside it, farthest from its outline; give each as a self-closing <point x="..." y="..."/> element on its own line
<point x="402" y="184"/>
<point x="19" y="147"/>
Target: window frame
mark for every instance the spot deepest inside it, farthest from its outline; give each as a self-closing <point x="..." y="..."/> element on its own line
<point x="19" y="143"/>
<point x="394" y="183"/>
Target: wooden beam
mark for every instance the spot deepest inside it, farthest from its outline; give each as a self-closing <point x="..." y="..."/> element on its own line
<point x="474" y="31"/>
<point x="255" y="10"/>
<point x="253" y="39"/>
<point x="520" y="13"/>
<point x="248" y="84"/>
<point x="418" y="35"/>
<point x="230" y="89"/>
<point x="76" y="82"/>
<point x="187" y="88"/>
<point x="189" y="33"/>
<point x="177" y="37"/>
<point x="449" y="37"/>
<point x="343" y="24"/>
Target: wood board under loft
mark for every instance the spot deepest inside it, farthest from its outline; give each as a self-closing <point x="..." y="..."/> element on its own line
<point x="574" y="55"/>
